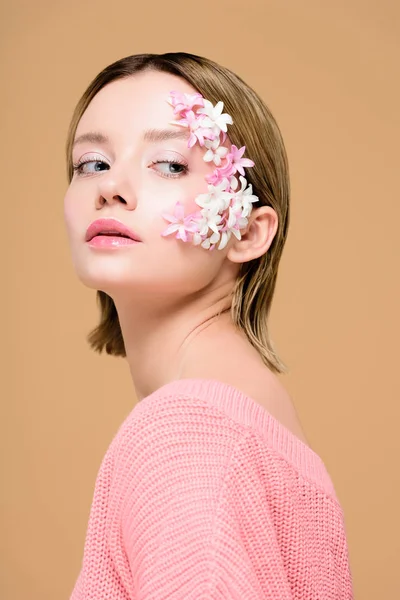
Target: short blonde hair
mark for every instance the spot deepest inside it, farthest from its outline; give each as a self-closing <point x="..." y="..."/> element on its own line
<point x="255" y="127"/>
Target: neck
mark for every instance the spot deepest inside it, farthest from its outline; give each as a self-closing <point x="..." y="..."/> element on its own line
<point x="158" y="341"/>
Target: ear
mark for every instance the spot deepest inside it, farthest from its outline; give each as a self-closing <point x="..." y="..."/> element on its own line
<point x="256" y="237"/>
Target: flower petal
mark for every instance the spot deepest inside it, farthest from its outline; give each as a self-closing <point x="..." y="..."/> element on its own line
<point x="215" y="237"/>
<point x="196" y="239"/>
<point x="192" y="140"/>
<point x="171" y="229"/>
<point x="224" y="240"/>
<point x="169" y="218"/>
<point x="182" y="234"/>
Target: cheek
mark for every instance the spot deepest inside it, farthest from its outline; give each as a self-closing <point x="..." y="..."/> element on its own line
<point x="69" y="213"/>
<point x="195" y="187"/>
<point x="74" y="213"/>
<point x="188" y="192"/>
<point x="177" y="268"/>
<point x="156" y="200"/>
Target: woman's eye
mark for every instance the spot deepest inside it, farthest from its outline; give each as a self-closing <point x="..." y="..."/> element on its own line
<point x="85" y="167"/>
<point x="166" y="168"/>
<point x="170" y="168"/>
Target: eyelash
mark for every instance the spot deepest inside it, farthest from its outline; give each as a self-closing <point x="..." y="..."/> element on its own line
<point x="173" y="162"/>
<point x="77" y="166"/>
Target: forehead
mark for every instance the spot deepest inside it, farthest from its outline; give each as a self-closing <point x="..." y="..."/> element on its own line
<point x="135" y="103"/>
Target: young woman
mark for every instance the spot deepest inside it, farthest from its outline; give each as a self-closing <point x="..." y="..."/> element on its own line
<point x="177" y="213"/>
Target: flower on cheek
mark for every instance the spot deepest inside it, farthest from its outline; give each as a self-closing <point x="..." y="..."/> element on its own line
<point x="245" y="197"/>
<point x="217" y="199"/>
<point x="235" y="155"/>
<point x="236" y="221"/>
<point x="180" y="224"/>
<point x="215" y="152"/>
<point x="227" y="170"/>
<point x="224" y="208"/>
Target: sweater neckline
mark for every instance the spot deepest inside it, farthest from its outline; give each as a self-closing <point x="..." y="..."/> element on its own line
<point x="248" y="412"/>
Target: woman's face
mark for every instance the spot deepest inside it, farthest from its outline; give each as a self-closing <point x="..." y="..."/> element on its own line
<point x="128" y="178"/>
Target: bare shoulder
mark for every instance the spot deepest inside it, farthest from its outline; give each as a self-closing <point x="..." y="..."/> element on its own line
<point x="230" y="358"/>
<point x="266" y="389"/>
<point x="259" y="383"/>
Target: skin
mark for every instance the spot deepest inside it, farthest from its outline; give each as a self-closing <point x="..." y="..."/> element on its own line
<point x="172" y="298"/>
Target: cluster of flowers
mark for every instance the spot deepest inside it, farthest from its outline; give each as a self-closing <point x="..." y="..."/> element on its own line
<point x="225" y="208"/>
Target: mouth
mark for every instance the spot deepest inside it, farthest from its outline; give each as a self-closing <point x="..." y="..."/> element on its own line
<point x="110" y="228"/>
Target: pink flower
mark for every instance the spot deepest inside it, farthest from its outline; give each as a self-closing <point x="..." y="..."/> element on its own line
<point x="228" y="169"/>
<point x="180" y="224"/>
<point x="235" y="155"/>
<point x="199" y="126"/>
<point x="233" y="163"/>
<point x="183" y="102"/>
<point x="224" y="172"/>
<point x="215" y="177"/>
<point x="225" y="208"/>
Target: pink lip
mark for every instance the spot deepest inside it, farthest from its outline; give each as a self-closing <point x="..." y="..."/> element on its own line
<point x="99" y="234"/>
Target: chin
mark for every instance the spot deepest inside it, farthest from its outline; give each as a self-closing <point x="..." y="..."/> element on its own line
<point x="105" y="277"/>
<point x="159" y="275"/>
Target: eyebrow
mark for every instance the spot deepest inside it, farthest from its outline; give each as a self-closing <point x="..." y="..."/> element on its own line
<point x="92" y="137"/>
<point x="161" y="135"/>
<point x="150" y="135"/>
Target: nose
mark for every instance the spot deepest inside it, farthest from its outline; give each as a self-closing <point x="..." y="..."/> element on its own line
<point x="115" y="187"/>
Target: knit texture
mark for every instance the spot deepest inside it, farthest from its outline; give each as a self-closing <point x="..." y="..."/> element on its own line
<point x="203" y="495"/>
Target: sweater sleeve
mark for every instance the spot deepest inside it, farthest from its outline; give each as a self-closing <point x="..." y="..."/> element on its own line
<point x="191" y="525"/>
<point x="247" y="561"/>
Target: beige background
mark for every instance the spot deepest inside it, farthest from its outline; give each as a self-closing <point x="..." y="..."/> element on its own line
<point x="328" y="72"/>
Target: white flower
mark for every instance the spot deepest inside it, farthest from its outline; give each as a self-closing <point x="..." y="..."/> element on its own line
<point x="203" y="226"/>
<point x="211" y="240"/>
<point x="197" y="239"/>
<point x="217" y="199"/>
<point x="224" y="208"/>
<point x="214" y="151"/>
<point x="232" y="217"/>
<point x="206" y="243"/>
<point x="225" y="237"/>
<point x="234" y="182"/>
<point x="220" y="121"/>
<point x="209" y="220"/>
<point x="245" y="196"/>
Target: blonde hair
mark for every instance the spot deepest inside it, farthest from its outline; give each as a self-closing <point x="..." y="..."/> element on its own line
<point x="255" y="127"/>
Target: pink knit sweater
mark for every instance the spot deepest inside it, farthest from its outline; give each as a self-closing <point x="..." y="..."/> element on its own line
<point x="203" y="495"/>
